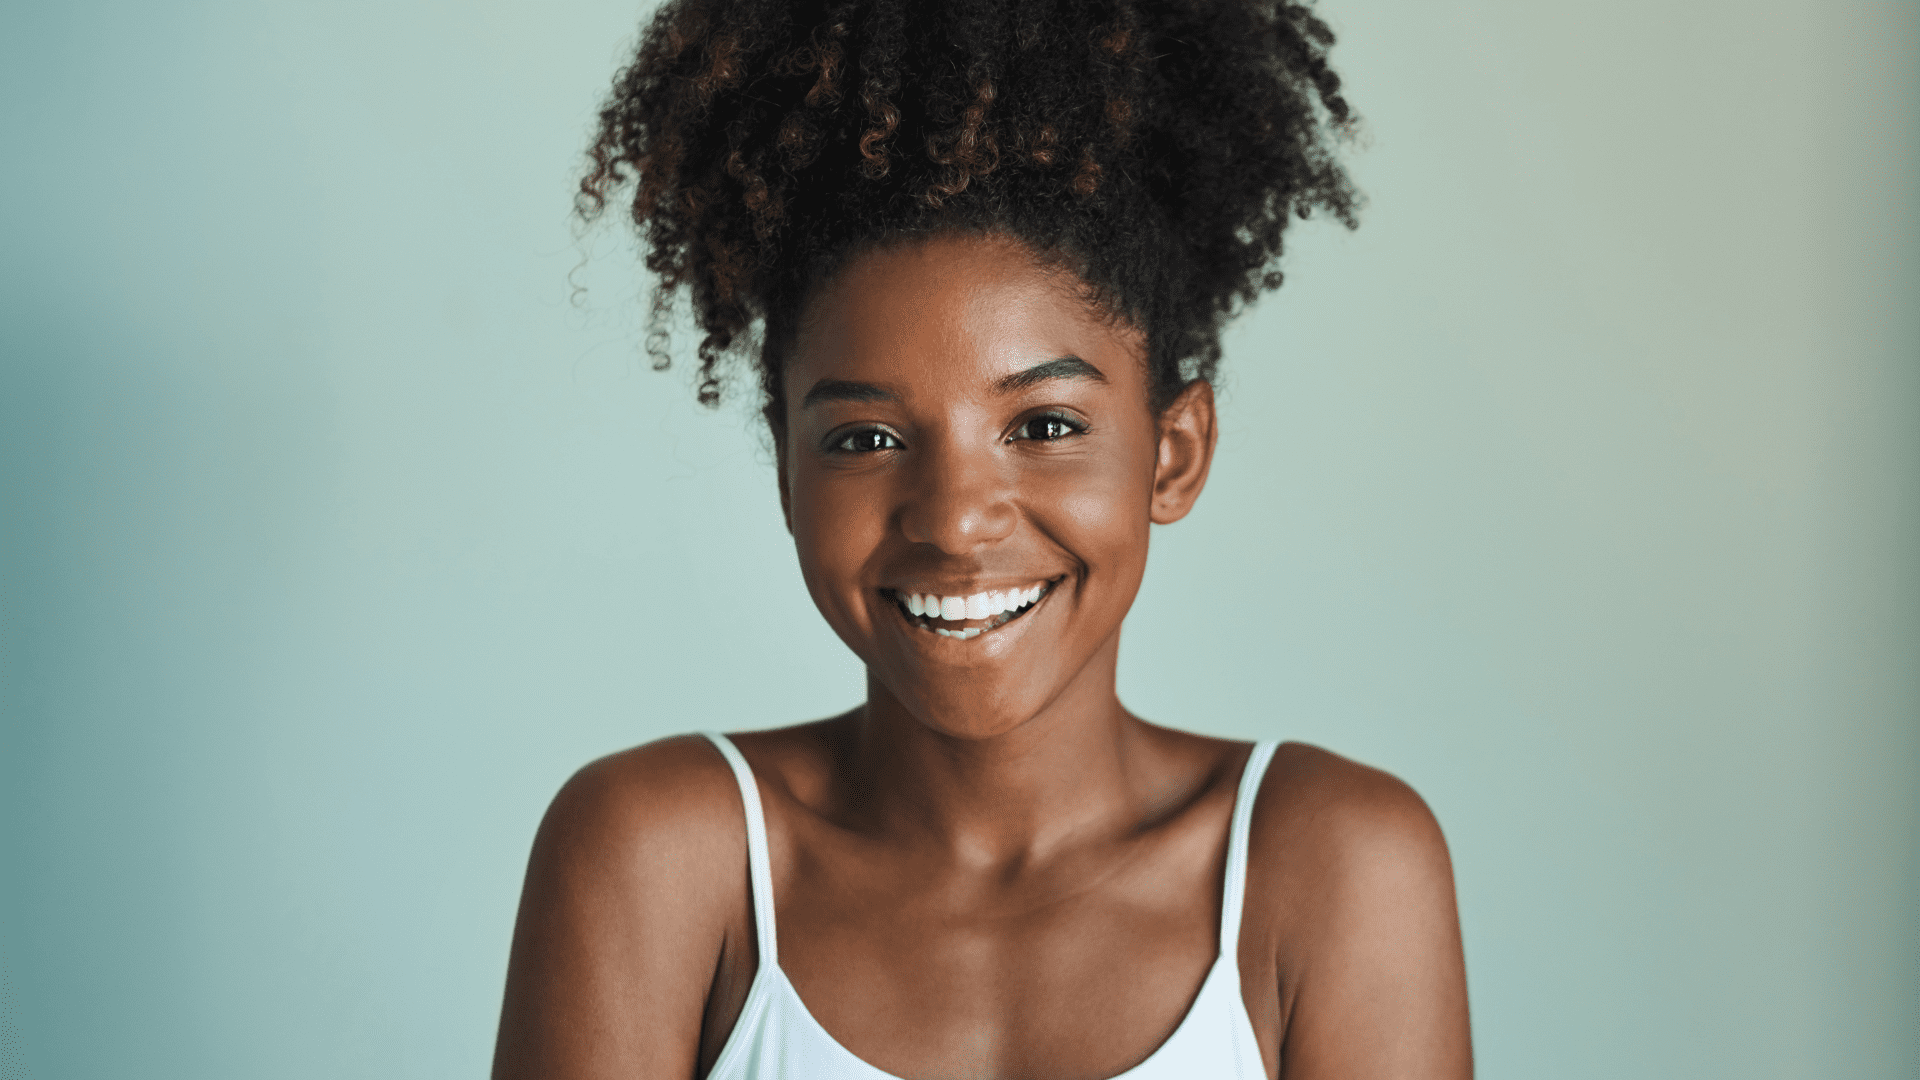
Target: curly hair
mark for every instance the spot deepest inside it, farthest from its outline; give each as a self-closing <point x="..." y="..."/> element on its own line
<point x="1156" y="148"/>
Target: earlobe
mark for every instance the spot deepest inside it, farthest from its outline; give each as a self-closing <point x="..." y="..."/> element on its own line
<point x="1185" y="453"/>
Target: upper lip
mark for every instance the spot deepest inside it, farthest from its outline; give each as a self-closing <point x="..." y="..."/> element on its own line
<point x="971" y="589"/>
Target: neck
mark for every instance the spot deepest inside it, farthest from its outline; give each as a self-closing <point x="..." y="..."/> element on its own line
<point x="1070" y="771"/>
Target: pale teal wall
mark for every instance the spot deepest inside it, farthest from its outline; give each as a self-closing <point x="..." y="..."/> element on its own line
<point x="1581" y="487"/>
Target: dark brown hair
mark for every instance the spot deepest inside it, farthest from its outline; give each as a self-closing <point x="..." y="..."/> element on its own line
<point x="1158" y="149"/>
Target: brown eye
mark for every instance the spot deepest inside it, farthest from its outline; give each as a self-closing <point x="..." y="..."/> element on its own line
<point x="1048" y="428"/>
<point x="867" y="441"/>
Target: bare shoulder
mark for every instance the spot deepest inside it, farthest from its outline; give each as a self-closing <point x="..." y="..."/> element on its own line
<point x="676" y="801"/>
<point x="1335" y="843"/>
<point x="664" y="800"/>
<point x="1350" y="896"/>
<point x="1316" y="803"/>
<point x="636" y="885"/>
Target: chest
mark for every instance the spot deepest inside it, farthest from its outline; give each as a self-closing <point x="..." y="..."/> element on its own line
<point x="1083" y="968"/>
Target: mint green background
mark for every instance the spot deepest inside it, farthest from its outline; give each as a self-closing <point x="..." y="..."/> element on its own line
<point x="1581" y="488"/>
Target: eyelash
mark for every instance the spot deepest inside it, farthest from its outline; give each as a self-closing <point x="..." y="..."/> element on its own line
<point x="844" y="444"/>
<point x="1072" y="426"/>
<point x="840" y="445"/>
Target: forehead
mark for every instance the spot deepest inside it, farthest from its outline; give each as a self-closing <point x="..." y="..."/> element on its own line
<point x="952" y="313"/>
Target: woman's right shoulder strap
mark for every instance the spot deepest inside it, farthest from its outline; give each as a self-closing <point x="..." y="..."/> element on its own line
<point x="759" y="866"/>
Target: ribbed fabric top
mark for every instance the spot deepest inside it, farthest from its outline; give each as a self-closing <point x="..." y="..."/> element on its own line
<point x="776" y="1038"/>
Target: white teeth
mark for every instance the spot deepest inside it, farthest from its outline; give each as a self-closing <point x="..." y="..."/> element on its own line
<point x="982" y="605"/>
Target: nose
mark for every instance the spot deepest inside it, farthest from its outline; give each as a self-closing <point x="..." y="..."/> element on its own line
<point x="957" y="501"/>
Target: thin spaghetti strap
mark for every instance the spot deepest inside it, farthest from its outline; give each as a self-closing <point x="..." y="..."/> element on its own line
<point x="759" y="867"/>
<point x="1233" y="895"/>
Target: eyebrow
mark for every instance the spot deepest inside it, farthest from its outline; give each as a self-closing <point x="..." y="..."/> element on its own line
<point x="1065" y="367"/>
<point x="843" y="390"/>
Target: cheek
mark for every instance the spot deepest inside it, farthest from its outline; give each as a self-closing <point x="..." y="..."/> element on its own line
<point x="836" y="529"/>
<point x="1103" y="511"/>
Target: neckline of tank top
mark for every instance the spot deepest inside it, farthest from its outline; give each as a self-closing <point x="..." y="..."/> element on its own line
<point x="770" y="978"/>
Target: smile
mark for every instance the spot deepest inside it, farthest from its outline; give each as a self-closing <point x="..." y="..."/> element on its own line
<point x="968" y="616"/>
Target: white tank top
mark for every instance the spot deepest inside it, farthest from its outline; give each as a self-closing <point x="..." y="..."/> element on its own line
<point x="776" y="1038"/>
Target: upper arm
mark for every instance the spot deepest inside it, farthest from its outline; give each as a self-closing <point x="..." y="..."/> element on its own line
<point x="1373" y="980"/>
<point x="629" y="888"/>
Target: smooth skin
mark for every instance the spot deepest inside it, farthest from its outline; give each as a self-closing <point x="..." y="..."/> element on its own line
<point x="991" y="869"/>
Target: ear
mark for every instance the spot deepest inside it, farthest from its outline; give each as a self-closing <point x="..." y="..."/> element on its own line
<point x="1187" y="437"/>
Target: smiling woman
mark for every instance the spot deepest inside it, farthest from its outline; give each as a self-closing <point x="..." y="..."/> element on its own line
<point x="985" y="251"/>
<point x="985" y="452"/>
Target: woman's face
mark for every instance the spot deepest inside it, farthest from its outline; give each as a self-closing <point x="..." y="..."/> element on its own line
<point x="969" y="470"/>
